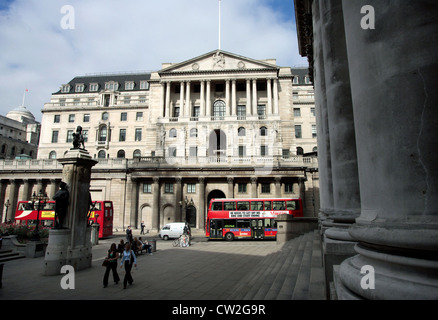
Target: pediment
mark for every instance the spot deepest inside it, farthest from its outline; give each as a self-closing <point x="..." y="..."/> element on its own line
<point x="218" y="61"/>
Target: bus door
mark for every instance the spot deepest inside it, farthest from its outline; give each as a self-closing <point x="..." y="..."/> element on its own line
<point x="216" y="227"/>
<point x="257" y="228"/>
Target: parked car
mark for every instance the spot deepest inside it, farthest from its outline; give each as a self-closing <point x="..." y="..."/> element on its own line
<point x="174" y="230"/>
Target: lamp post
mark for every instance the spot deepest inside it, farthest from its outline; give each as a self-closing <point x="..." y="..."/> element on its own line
<point x="41" y="199"/>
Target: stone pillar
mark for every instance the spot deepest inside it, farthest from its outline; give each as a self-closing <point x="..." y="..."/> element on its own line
<point x="208" y="99"/>
<point x="26" y="190"/>
<point x="167" y="100"/>
<point x="253" y="187"/>
<point x="275" y="94"/>
<point x="230" y="181"/>
<point x="188" y="108"/>
<point x="13" y="199"/>
<point x="254" y="97"/>
<point x="133" y="209"/>
<point x="202" y="210"/>
<point x="156" y="204"/>
<point x="233" y="98"/>
<point x="248" y="97"/>
<point x="202" y="108"/>
<point x="269" y="91"/>
<point x="393" y="84"/>
<point x="179" y="197"/>
<point x="72" y="245"/>
<point x="277" y="181"/>
<point x="181" y="99"/>
<point x="227" y="98"/>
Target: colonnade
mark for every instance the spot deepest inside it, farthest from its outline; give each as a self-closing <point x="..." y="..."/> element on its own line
<point x="186" y="100"/>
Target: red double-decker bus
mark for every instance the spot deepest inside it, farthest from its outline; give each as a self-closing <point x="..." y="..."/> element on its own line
<point x="248" y="218"/>
<point x="102" y="213"/>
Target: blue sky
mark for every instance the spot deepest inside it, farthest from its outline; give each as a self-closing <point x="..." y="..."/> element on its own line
<point x="39" y="54"/>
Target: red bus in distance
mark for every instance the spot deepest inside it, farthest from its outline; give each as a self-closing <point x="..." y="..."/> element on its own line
<point x="231" y="219"/>
<point x="103" y="212"/>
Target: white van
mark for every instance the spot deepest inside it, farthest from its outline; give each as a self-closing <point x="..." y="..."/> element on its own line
<point x="173" y="230"/>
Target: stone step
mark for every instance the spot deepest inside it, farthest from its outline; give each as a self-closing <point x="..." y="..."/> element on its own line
<point x="8" y="255"/>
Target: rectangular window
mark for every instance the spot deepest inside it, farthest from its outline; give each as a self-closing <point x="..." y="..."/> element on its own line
<point x="168" y="187"/>
<point x="263" y="150"/>
<point x="85" y="135"/>
<point x="216" y="206"/>
<point x="279" y="205"/>
<point x="289" y="187"/>
<point x="69" y="136"/>
<point x="292" y="205"/>
<point x="94" y="87"/>
<point x="138" y="134"/>
<point x="298" y="133"/>
<point x="191" y="188"/>
<point x="230" y="205"/>
<point x="242" y="151"/>
<point x="71" y="118"/>
<point x="172" y="151"/>
<point x="266" y="188"/>
<point x="241" y="112"/>
<point x="297" y="112"/>
<point x="256" y="205"/>
<point x="80" y="87"/>
<point x="242" y="205"/>
<point x="86" y="117"/>
<point x="126" y="100"/>
<point x="147" y="188"/>
<point x="57" y="118"/>
<point x="144" y="85"/>
<point x="261" y="111"/>
<point x="123" y="116"/>
<point x="122" y="135"/>
<point x="193" y="151"/>
<point x="241" y="187"/>
<point x="129" y="85"/>
<point x="62" y="102"/>
<point x="176" y="112"/>
<point x="196" y="111"/>
<point x="55" y="136"/>
<point x="142" y="99"/>
<point x="313" y="130"/>
<point x="312" y="112"/>
<point x="286" y="153"/>
<point x="139" y="116"/>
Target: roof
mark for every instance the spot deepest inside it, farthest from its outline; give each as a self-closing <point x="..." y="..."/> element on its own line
<point x="101" y="79"/>
<point x="301" y="73"/>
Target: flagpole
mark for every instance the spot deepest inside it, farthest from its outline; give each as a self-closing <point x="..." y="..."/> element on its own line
<point x="219" y="24"/>
<point x="24" y="96"/>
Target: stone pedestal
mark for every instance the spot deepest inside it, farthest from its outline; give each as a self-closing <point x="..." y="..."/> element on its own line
<point x="290" y="227"/>
<point x="34" y="249"/>
<point x="72" y="245"/>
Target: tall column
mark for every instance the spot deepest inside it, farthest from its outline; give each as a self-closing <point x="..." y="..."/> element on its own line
<point x="248" y="97"/>
<point x="13" y="199"/>
<point x="254" y="187"/>
<point x="202" y="210"/>
<point x="202" y="109"/>
<point x="254" y="97"/>
<point x="26" y="191"/>
<point x="208" y="99"/>
<point x="230" y="181"/>
<point x="54" y="186"/>
<point x="227" y="97"/>
<point x="395" y="115"/>
<point x="233" y="98"/>
<point x="188" y="108"/>
<point x="163" y="98"/>
<point x="181" y="99"/>
<point x="179" y="197"/>
<point x="167" y="101"/>
<point x="156" y="204"/>
<point x="133" y="216"/>
<point x="269" y="91"/>
<point x="3" y="186"/>
<point x="275" y="93"/>
<point x="277" y="181"/>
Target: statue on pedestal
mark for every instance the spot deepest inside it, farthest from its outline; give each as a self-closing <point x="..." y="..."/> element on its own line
<point x="78" y="139"/>
<point x="61" y="204"/>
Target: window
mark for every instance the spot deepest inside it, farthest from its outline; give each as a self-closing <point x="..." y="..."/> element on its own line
<point x="55" y="136"/>
<point x="261" y="111"/>
<point x="242" y="151"/>
<point x="296" y="80"/>
<point x="266" y="188"/>
<point x="126" y="100"/>
<point x="86" y="117"/>
<point x="69" y="136"/>
<point x="242" y="205"/>
<point x="85" y="135"/>
<point x="241" y="132"/>
<point x="144" y="85"/>
<point x="306" y="80"/>
<point x="313" y="130"/>
<point x="193" y="152"/>
<point x="257" y="205"/>
<point x="286" y="153"/>
<point x="105" y="116"/>
<point x="312" y="112"/>
<point x="298" y="133"/>
<point x="136" y="154"/>
<point x="101" y="154"/>
<point x="123" y="116"/>
<point x="120" y="154"/>
<point x="62" y="102"/>
<point x="65" y="88"/>
<point x="139" y="116"/>
<point x="292" y="205"/>
<point x="102" y="134"/>
<point x="263" y="131"/>
<point x="263" y="150"/>
<point x="241" y="187"/>
<point x="71" y="118"/>
<point x="142" y="99"/>
<point x="219" y="110"/>
<point x="191" y="188"/>
<point x="193" y="132"/>
<point x="90" y="101"/>
<point x="138" y="134"/>
<point x="297" y="112"/>
<point x="279" y="205"/>
<point x="52" y="155"/>
<point x="122" y="135"/>
<point x="80" y="87"/>
<point x="172" y="133"/>
<point x="147" y="188"/>
<point x="241" y="112"/>
<point x="216" y="206"/>
<point x="300" y="151"/>
<point x="295" y="95"/>
<point x="57" y="118"/>
<point x="230" y="206"/>
<point x="176" y="112"/>
<point x="196" y="111"/>
<point x="129" y="85"/>
<point x="94" y="87"/>
<point x="168" y="187"/>
<point x="76" y="102"/>
<point x="289" y="187"/>
<point x="172" y="151"/>
<point x="111" y="85"/>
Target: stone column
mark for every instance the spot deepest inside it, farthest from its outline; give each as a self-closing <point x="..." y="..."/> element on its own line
<point x="181" y="99"/>
<point x="133" y="205"/>
<point x="269" y="91"/>
<point x="277" y="181"/>
<point x="72" y="245"/>
<point x="253" y="187"/>
<point x="188" y="108"/>
<point x="54" y="186"/>
<point x="230" y="181"/>
<point x="13" y="199"/>
<point x="156" y="204"/>
<point x="167" y="100"/>
<point x="254" y="97"/>
<point x="275" y="93"/>
<point x="227" y="98"/>
<point x="202" y="210"/>
<point x="248" y="97"/>
<point x="202" y="109"/>
<point x="208" y="99"/>
<point x="26" y="190"/>
<point x="233" y="98"/>
<point x="3" y="186"/>
<point x="179" y="197"/>
<point x="393" y="84"/>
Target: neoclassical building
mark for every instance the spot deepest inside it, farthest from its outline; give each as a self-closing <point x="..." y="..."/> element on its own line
<point x="374" y="67"/>
<point x="218" y="125"/>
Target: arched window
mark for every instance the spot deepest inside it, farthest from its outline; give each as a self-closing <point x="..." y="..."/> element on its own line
<point x="136" y="154"/>
<point x="121" y="154"/>
<point x="3" y="148"/>
<point x="103" y="131"/>
<point x="172" y="133"/>
<point x="105" y="116"/>
<point x="300" y="151"/>
<point x="101" y="154"/>
<point x="315" y="149"/>
<point x="219" y="110"/>
<point x="52" y="155"/>
<point x="193" y="133"/>
<point x="263" y="131"/>
<point x="241" y="132"/>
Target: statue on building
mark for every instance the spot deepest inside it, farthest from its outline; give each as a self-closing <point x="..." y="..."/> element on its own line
<point x="78" y="139"/>
<point x="61" y="205"/>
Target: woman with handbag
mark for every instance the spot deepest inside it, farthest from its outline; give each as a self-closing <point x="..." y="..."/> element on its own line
<point x="128" y="258"/>
<point x="111" y="264"/>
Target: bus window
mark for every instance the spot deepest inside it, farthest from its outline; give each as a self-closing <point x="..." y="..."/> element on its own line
<point x="279" y="205"/>
<point x="108" y="205"/>
<point x="97" y="206"/>
<point x="230" y="223"/>
<point x="256" y="205"/>
<point x="230" y="206"/>
<point x="25" y="206"/>
<point x="243" y="224"/>
<point x="268" y="205"/>
<point x="216" y="206"/>
<point x="49" y="206"/>
<point x="292" y="205"/>
<point x="242" y="205"/>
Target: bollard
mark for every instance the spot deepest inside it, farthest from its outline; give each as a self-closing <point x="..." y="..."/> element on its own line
<point x="95" y="234"/>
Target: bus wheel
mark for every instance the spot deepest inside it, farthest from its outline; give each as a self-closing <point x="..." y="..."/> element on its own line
<point x="229" y="236"/>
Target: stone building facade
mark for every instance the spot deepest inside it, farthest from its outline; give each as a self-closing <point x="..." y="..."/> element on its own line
<point x="373" y="65"/>
<point x="218" y="125"/>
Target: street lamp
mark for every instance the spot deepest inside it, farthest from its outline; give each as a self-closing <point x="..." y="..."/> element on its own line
<point x="41" y="199"/>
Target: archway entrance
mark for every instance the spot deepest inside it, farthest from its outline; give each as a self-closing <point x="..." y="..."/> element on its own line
<point x="215" y="194"/>
<point x="191" y="216"/>
<point x="217" y="143"/>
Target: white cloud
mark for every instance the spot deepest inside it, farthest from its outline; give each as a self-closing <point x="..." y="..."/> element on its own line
<point x="134" y="35"/>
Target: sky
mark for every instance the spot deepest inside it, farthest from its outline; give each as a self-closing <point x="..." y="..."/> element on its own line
<point x="46" y="43"/>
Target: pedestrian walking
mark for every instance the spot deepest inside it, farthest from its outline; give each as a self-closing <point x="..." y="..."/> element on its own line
<point x="129" y="234"/>
<point x="128" y="258"/>
<point x="111" y="264"/>
<point x="142" y="227"/>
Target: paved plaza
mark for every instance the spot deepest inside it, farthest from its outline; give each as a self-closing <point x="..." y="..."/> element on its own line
<point x="207" y="270"/>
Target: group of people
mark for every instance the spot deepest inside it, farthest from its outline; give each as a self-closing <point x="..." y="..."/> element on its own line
<point x="127" y="253"/>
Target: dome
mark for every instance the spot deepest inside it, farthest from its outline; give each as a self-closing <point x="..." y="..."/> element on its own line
<point x="21" y="114"/>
